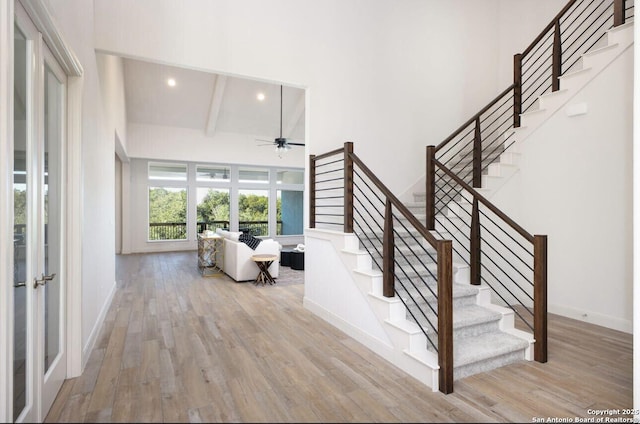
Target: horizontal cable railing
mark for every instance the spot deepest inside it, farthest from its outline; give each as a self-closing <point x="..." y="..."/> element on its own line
<point x="487" y="240"/>
<point x="579" y="27"/>
<point x="346" y="195"/>
<point x="499" y="252"/>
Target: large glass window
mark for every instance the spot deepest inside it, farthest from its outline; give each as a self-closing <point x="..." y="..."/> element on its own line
<point x="213" y="208"/>
<point x="185" y="199"/>
<point x="253" y="212"/>
<point x="167" y="213"/>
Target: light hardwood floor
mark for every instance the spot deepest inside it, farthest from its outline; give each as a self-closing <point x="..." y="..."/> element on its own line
<point x="178" y="347"/>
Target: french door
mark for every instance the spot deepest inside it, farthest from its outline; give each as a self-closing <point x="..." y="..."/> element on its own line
<point x="39" y="347"/>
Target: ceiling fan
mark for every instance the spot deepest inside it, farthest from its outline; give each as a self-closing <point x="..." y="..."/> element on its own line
<point x="282" y="144"/>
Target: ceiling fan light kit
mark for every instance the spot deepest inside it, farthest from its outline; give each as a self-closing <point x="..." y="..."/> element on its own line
<point x="281" y="143"/>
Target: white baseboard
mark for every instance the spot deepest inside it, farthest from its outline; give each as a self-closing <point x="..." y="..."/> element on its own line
<point x="591" y="317"/>
<point x="95" y="331"/>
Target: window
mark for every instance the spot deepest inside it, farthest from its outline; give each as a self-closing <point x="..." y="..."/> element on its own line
<point x="213" y="208"/>
<point x="165" y="171"/>
<point x="253" y="175"/>
<point x="187" y="198"/>
<point x="208" y="173"/>
<point x="290" y="177"/>
<point x="167" y="213"/>
<point x="253" y="212"/>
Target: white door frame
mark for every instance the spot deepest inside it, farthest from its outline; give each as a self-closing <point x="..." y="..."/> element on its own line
<point x="39" y="14"/>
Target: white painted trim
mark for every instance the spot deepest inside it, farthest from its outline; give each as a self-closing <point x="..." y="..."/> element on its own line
<point x="6" y="207"/>
<point x="74" y="206"/>
<point x="125" y="206"/>
<point x="42" y="18"/>
<point x="636" y="229"/>
<point x="95" y="331"/>
<point x="592" y="317"/>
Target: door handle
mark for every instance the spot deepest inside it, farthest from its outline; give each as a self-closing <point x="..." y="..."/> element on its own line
<point x="43" y="280"/>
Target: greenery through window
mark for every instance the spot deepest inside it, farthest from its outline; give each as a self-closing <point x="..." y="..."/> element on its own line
<point x="167" y="213"/>
<point x="186" y="199"/>
<point x="253" y="212"/>
<point x="213" y="209"/>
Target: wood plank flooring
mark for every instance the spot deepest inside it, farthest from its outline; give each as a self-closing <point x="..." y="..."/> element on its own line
<point x="178" y="347"/>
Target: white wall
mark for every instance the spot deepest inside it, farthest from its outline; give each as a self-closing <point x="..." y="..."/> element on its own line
<point x="173" y="143"/>
<point x="520" y="23"/>
<point x="111" y="74"/>
<point x="575" y="185"/>
<point x="75" y="21"/>
<point x="378" y="72"/>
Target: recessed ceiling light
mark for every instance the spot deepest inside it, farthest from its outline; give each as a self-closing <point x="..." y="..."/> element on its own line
<point x="171" y="82"/>
<point x="260" y="96"/>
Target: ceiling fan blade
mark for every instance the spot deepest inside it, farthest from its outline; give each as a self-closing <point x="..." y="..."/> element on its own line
<point x="295" y="144"/>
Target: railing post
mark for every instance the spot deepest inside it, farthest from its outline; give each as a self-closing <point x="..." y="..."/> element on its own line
<point x="445" y="317"/>
<point x="477" y="156"/>
<point x="474" y="245"/>
<point x="431" y="189"/>
<point x="517" y="89"/>
<point x="618" y="12"/>
<point x="556" y="59"/>
<point x="540" y="298"/>
<point x="348" y="187"/>
<point x="388" y="289"/>
<point x="312" y="191"/>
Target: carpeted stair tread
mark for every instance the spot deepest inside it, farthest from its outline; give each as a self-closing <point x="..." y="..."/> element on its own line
<point x="475" y="349"/>
<point x="458" y="290"/>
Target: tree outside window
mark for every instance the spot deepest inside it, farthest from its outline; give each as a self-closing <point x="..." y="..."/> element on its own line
<point x="253" y="212"/>
<point x="167" y="213"/>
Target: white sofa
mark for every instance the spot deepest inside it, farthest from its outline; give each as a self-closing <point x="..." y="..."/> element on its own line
<point x="237" y="256"/>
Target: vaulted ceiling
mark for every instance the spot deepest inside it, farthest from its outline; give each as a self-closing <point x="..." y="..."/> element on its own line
<point x="212" y="103"/>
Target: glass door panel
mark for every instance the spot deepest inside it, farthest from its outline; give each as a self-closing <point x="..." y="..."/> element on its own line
<point x="53" y="96"/>
<point x="21" y="124"/>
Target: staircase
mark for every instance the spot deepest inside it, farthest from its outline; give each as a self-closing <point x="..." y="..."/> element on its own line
<point x="403" y="309"/>
<point x="505" y="158"/>
<point x="484" y="334"/>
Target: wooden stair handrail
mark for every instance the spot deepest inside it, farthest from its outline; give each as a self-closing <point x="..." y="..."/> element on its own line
<point x="486" y="202"/>
<point x="433" y="241"/>
<point x="474" y="117"/>
<point x="548" y="27"/>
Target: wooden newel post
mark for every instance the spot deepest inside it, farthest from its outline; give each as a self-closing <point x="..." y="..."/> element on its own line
<point x="312" y="191"/>
<point x="477" y="156"/>
<point x="388" y="288"/>
<point x="474" y="245"/>
<point x="445" y="317"/>
<point x="540" y="298"/>
<point x="556" y="59"/>
<point x="348" y="187"/>
<point x="618" y="12"/>
<point x="517" y="89"/>
<point x="431" y="188"/>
